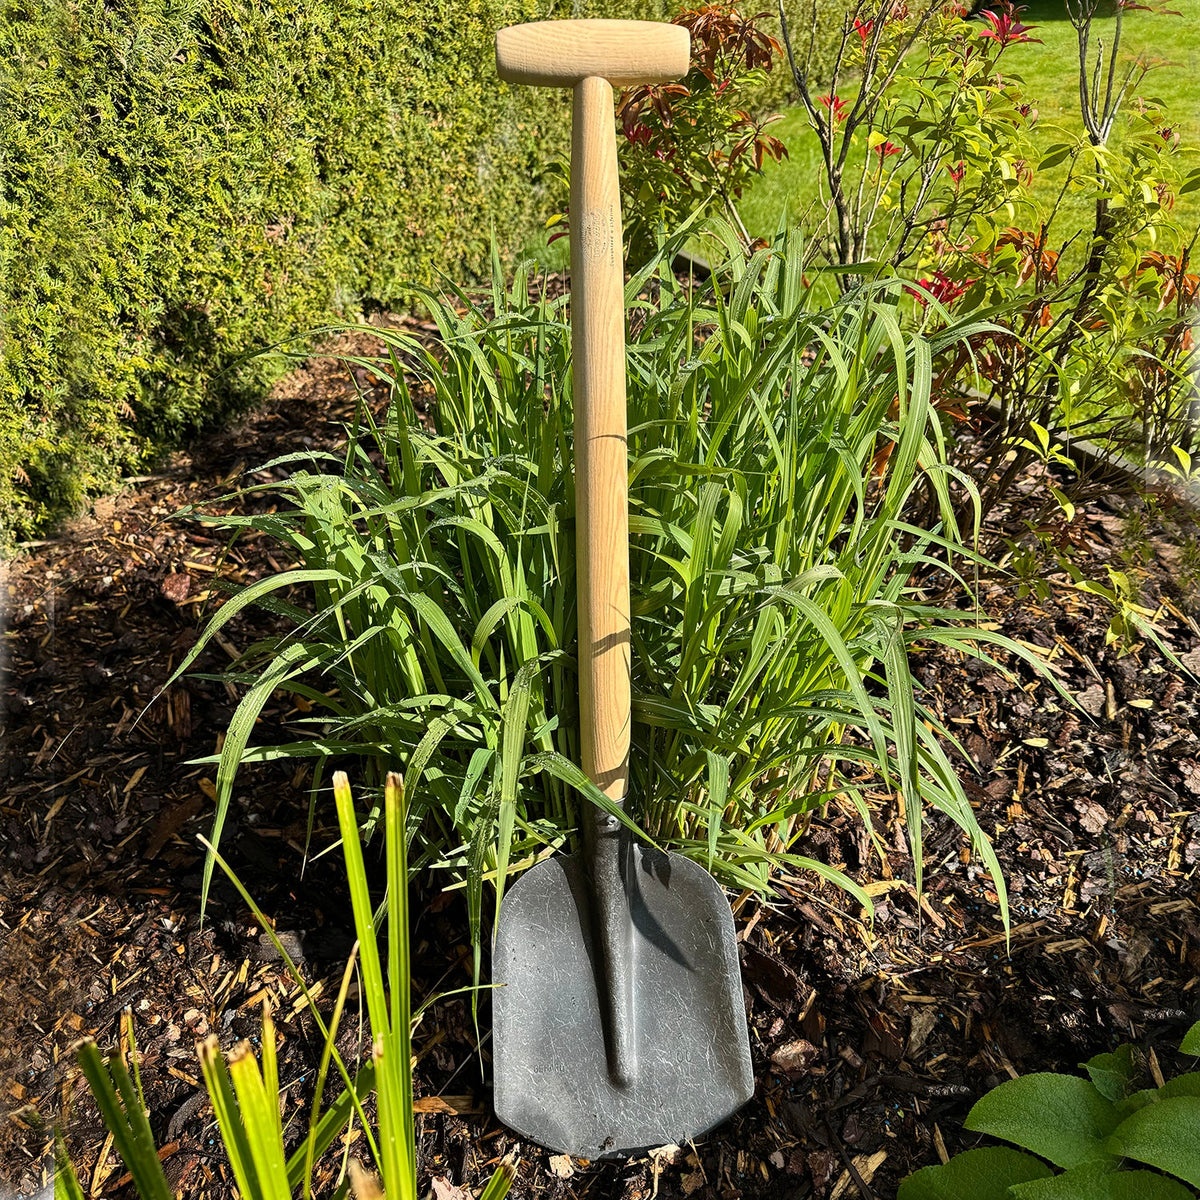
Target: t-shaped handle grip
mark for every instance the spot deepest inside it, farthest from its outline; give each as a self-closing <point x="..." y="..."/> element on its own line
<point x="564" y="53"/>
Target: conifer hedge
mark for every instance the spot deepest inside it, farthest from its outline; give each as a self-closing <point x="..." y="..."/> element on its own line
<point x="185" y="182"/>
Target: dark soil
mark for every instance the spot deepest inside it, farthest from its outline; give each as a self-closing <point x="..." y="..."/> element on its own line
<point x="870" y="1043"/>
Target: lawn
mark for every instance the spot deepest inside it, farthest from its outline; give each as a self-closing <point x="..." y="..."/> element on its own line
<point x="1049" y="69"/>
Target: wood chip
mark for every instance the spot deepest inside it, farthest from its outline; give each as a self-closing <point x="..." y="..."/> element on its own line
<point x="561" y="1166"/>
<point x="170" y="822"/>
<point x="177" y="587"/>
<point x="365" y="1185"/>
<point x="794" y="1058"/>
<point x="134" y="780"/>
<point x="457" y="1106"/>
<point x="939" y="1145"/>
<point x="866" y="1166"/>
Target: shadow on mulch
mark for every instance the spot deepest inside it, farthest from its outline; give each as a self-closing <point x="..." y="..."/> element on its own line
<point x="870" y="1044"/>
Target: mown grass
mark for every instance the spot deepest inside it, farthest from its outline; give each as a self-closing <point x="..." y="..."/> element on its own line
<point x="1050" y="72"/>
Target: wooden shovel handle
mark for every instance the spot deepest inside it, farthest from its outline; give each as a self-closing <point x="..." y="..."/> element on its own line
<point x="601" y="455"/>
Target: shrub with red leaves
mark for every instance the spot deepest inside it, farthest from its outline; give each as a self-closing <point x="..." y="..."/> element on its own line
<point x="693" y="144"/>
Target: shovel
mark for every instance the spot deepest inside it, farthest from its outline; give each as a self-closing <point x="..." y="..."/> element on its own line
<point x="619" y="1022"/>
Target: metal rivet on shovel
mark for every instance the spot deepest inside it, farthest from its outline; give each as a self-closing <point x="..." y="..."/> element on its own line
<point x="619" y="1021"/>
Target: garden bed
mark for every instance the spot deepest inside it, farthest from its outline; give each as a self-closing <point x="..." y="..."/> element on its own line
<point x="870" y="1044"/>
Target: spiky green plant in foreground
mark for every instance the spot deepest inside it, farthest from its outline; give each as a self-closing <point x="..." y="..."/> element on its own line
<point x="776" y="456"/>
<point x="247" y="1100"/>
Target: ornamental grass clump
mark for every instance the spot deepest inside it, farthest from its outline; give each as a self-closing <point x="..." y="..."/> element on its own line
<point x="777" y="452"/>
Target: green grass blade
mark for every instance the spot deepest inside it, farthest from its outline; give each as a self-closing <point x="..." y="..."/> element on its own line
<point x="391" y="1067"/>
<point x="500" y="1183"/>
<point x="294" y="972"/>
<point x="229" y="1118"/>
<point x="113" y="1091"/>
<point x="399" y="972"/>
<point x="904" y="719"/>
<point x="323" y="1128"/>
<point x="66" y="1182"/>
<point x="258" y="1107"/>
<point x="292" y="660"/>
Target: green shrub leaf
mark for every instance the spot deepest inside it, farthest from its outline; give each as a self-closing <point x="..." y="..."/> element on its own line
<point x="1182" y="1085"/>
<point x="1137" y="1100"/>
<point x="983" y="1174"/>
<point x="1060" y="1117"/>
<point x="1191" y="1041"/>
<point x="1099" y="1181"/>
<point x="1165" y="1135"/>
<point x="1111" y="1073"/>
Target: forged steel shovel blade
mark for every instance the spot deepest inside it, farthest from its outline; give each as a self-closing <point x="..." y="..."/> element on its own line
<point x="689" y="1040"/>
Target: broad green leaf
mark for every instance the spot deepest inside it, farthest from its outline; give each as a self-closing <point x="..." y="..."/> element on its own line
<point x="1054" y="156"/>
<point x="1165" y="1135"/>
<point x="1187" y="1084"/>
<point x="1136" y="1100"/>
<point x="1059" y="1117"/>
<point x="1100" y="1181"/>
<point x="1112" y="1073"/>
<point x="984" y="1174"/>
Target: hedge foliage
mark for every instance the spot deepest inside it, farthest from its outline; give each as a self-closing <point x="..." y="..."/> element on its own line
<point x="185" y="182"/>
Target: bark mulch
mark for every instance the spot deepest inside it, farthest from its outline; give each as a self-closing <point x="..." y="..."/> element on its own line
<point x="870" y="1042"/>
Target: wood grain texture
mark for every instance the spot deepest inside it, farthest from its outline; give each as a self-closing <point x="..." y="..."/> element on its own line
<point x="563" y="53"/>
<point x="601" y="455"/>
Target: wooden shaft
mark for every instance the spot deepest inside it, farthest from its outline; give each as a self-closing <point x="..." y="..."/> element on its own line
<point x="601" y="457"/>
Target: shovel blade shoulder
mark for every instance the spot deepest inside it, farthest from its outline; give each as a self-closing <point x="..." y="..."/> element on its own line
<point x="553" y="1082"/>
